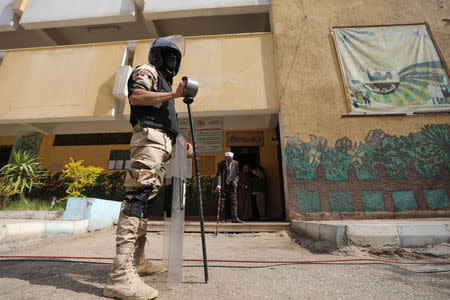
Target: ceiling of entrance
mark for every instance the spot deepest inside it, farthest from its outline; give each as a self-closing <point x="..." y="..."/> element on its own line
<point x="229" y="123"/>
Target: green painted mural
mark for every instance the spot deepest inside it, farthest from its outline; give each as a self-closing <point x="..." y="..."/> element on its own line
<point x="383" y="173"/>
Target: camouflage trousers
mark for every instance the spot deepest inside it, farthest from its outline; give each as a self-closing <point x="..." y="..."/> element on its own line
<point x="150" y="151"/>
<point x="130" y="230"/>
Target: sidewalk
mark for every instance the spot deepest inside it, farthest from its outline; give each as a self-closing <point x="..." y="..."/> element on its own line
<point x="377" y="233"/>
<point x="374" y="233"/>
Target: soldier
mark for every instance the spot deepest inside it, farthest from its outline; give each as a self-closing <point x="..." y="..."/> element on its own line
<point x="155" y="128"/>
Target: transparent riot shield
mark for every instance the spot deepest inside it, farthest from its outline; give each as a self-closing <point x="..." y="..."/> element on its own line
<point x="174" y="214"/>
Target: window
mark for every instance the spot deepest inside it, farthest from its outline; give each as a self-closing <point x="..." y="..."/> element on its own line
<point x="119" y="160"/>
<point x="92" y="139"/>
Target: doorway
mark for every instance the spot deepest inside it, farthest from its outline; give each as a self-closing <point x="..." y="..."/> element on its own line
<point x="246" y="155"/>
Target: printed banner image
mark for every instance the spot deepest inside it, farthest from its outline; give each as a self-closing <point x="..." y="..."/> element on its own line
<point x="392" y="69"/>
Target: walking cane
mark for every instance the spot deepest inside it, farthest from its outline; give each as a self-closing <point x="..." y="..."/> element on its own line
<point x="189" y="93"/>
<point x="218" y="214"/>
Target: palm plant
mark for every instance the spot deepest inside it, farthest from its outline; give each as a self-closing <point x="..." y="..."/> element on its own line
<point x="438" y="140"/>
<point x="302" y="157"/>
<point x="24" y="172"/>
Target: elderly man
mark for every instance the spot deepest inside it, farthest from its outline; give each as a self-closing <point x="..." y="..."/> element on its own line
<point x="227" y="178"/>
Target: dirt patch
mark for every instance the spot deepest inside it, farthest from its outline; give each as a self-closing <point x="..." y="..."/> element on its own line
<point x="440" y="251"/>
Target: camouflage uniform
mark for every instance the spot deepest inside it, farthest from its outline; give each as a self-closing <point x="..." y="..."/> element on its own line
<point x="150" y="151"/>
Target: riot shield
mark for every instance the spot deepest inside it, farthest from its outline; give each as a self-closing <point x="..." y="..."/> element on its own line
<point x="174" y="214"/>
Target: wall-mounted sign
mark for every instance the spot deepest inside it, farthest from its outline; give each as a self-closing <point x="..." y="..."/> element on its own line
<point x="184" y="128"/>
<point x="209" y="137"/>
<point x="245" y="138"/>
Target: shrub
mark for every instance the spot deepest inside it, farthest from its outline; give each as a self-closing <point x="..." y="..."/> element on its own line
<point x="5" y="193"/>
<point x="23" y="173"/>
<point x="79" y="177"/>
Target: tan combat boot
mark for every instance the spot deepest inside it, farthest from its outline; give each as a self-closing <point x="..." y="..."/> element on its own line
<point x="124" y="282"/>
<point x="144" y="266"/>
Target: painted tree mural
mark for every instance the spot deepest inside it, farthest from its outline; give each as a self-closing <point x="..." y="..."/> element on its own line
<point x="425" y="153"/>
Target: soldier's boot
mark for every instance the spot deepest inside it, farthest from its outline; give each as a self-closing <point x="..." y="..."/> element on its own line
<point x="144" y="266"/>
<point x="124" y="281"/>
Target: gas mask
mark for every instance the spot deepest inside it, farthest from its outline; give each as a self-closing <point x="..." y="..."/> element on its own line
<point x="170" y="63"/>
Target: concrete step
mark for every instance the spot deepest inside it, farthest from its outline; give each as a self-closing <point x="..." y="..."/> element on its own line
<point x="210" y="227"/>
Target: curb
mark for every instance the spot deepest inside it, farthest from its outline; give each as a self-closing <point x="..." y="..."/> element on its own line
<point x="335" y="234"/>
<point x="81" y="215"/>
<point x="13" y="232"/>
<point x="375" y="235"/>
<point x="381" y="235"/>
<point x="419" y="236"/>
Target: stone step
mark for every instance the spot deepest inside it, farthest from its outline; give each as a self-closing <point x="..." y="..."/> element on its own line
<point x="210" y="227"/>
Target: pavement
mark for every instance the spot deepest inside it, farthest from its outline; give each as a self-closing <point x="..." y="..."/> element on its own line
<point x="405" y="233"/>
<point x="84" y="279"/>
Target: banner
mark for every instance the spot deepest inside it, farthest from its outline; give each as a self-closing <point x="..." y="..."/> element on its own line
<point x="392" y="69"/>
<point x="29" y="141"/>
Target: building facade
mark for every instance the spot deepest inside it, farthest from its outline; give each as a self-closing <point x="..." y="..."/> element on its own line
<point x="271" y="90"/>
<point x="343" y="165"/>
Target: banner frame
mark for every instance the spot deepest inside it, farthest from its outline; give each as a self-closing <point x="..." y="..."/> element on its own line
<point x="344" y="82"/>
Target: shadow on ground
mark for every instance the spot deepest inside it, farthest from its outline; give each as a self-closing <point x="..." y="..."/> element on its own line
<point x="76" y="276"/>
<point x="80" y="277"/>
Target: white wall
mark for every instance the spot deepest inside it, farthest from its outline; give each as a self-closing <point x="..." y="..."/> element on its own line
<point x="63" y="13"/>
<point x="7" y="20"/>
<point x="164" y="9"/>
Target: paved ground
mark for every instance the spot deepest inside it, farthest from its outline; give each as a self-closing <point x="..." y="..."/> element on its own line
<point x="72" y="280"/>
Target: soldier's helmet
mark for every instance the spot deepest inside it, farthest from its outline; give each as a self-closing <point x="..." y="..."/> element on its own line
<point x="161" y="47"/>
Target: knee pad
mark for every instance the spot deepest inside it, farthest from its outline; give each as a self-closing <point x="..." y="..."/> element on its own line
<point x="137" y="202"/>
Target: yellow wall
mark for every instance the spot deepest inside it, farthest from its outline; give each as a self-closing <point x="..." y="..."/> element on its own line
<point x="95" y="155"/>
<point x="59" y="82"/>
<point x="64" y="83"/>
<point x="313" y="101"/>
<point x="235" y="72"/>
<point x="7" y="140"/>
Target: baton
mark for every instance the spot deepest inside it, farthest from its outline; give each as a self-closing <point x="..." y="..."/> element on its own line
<point x="189" y="93"/>
<point x="218" y="214"/>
